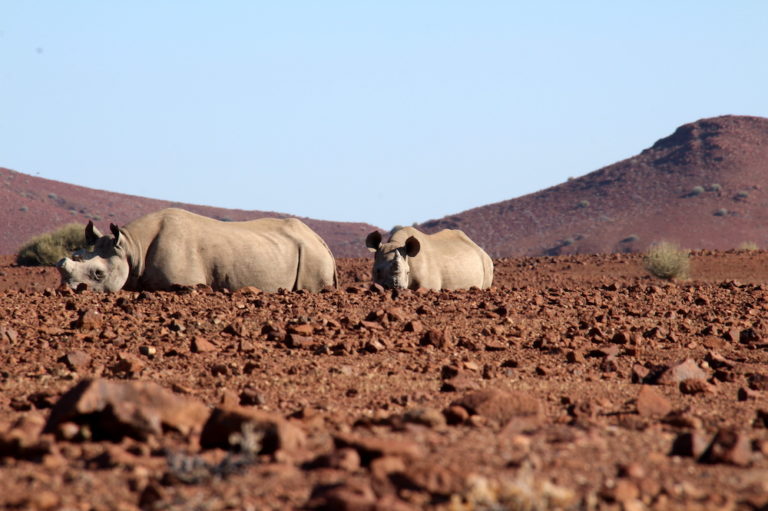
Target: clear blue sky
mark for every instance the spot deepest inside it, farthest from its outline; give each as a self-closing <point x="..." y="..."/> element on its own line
<point x="384" y="112"/>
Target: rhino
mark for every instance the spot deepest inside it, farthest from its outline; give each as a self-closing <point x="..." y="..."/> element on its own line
<point x="173" y="247"/>
<point x="445" y="260"/>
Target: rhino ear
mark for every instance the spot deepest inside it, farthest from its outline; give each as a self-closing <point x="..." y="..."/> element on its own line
<point x="115" y="233"/>
<point x="373" y="241"/>
<point x="92" y="234"/>
<point x="412" y="247"/>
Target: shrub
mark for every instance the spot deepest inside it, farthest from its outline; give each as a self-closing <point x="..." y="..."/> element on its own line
<point x="667" y="261"/>
<point x="696" y="190"/>
<point x="748" y="245"/>
<point x="714" y="187"/>
<point x="24" y="209"/>
<point x="741" y="196"/>
<point x="48" y="248"/>
<point x="582" y="204"/>
<point x="721" y="212"/>
<point x="631" y="238"/>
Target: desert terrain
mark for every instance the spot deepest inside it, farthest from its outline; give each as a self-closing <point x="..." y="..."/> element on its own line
<point x="575" y="382"/>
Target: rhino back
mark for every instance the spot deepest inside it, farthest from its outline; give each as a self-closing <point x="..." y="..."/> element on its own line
<point x="450" y="260"/>
<point x="188" y="249"/>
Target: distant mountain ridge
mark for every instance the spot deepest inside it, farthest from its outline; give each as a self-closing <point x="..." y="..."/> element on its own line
<point x="704" y="186"/>
<point x="32" y="205"/>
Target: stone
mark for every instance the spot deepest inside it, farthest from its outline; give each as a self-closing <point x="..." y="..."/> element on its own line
<point x="8" y="335"/>
<point x="729" y="446"/>
<point x="88" y="319"/>
<point x="128" y="365"/>
<point x="202" y="345"/>
<point x="685" y="370"/>
<point x="426" y="416"/>
<point x="652" y="403"/>
<point x="437" y="338"/>
<point x="114" y="409"/>
<point x="502" y="406"/>
<point x="346" y="459"/>
<point x="23" y="438"/>
<point x="414" y="326"/>
<point x="690" y="444"/>
<point x="351" y="495"/>
<point x="456" y="415"/>
<point x="371" y="448"/>
<point x="758" y="381"/>
<point x="696" y="386"/>
<point x="76" y="361"/>
<point x="228" y="425"/>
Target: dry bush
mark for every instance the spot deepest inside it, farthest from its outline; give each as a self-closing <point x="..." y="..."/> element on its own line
<point x="47" y="249"/>
<point x="667" y="261"/>
<point x="748" y="245"/>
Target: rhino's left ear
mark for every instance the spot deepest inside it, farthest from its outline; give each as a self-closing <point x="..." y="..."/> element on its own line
<point x="373" y="240"/>
<point x="115" y="233"/>
<point x="92" y="234"/>
<point x="412" y="247"/>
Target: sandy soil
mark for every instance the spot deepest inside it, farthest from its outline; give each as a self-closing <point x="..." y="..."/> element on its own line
<point x="576" y="382"/>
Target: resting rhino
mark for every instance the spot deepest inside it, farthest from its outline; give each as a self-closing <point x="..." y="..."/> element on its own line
<point x="444" y="260"/>
<point x="175" y="247"/>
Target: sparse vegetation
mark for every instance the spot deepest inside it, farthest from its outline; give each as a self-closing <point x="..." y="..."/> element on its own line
<point x="714" y="187"/>
<point x="50" y="247"/>
<point x="667" y="261"/>
<point x="582" y="204"/>
<point x="631" y="238"/>
<point x="748" y="245"/>
<point x="395" y="229"/>
<point x="24" y="209"/>
<point x="695" y="191"/>
<point x="53" y="196"/>
<point x="721" y="212"/>
<point x="741" y="195"/>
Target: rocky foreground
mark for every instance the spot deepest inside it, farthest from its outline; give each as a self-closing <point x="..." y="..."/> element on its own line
<point x="575" y="383"/>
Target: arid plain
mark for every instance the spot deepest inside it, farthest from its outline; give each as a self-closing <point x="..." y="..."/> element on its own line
<point x="576" y="382"/>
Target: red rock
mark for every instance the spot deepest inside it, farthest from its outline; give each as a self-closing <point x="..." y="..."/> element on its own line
<point x="23" y="438"/>
<point x="371" y="448"/>
<point x="76" y="360"/>
<point x="729" y="446"/>
<point x="745" y="394"/>
<point x="202" y="345"/>
<point x="276" y="433"/>
<point x="502" y="406"/>
<point x="8" y="335"/>
<point x="685" y="370"/>
<point x="414" y="326"/>
<point x="456" y="415"/>
<point x="296" y="341"/>
<point x="117" y="408"/>
<point x="758" y="381"/>
<point x="88" y="319"/>
<point x="382" y="467"/>
<point x="437" y="338"/>
<point x="652" y="403"/>
<point x="128" y="365"/>
<point x="692" y="444"/>
<point x="352" y="495"/>
<point x="304" y="329"/>
<point x="696" y="386"/>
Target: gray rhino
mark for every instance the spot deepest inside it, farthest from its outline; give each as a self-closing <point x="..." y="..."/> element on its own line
<point x="444" y="260"/>
<point x="175" y="247"/>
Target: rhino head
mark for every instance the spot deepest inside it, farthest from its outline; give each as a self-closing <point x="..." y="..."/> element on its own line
<point x="105" y="267"/>
<point x="391" y="268"/>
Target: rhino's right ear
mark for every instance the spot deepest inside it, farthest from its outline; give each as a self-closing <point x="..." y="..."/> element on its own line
<point x="373" y="241"/>
<point x="92" y="234"/>
<point x="115" y="232"/>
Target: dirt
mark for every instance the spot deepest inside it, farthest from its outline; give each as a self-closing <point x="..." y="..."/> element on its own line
<point x="576" y="382"/>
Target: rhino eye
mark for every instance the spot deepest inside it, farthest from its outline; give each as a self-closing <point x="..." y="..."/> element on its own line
<point x="98" y="275"/>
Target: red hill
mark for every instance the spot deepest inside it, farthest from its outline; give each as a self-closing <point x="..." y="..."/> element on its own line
<point x="31" y="205"/>
<point x="704" y="186"/>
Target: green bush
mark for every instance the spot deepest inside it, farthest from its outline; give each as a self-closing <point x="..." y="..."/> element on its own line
<point x="714" y="187"/>
<point x="667" y="261"/>
<point x="582" y="204"/>
<point x="721" y="212"/>
<point x="695" y="191"/>
<point x="46" y="249"/>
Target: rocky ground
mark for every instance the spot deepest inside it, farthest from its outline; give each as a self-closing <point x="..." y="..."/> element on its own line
<point x="576" y="382"/>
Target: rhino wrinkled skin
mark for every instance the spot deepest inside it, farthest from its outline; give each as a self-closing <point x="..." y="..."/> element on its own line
<point x="175" y="247"/>
<point x="445" y="260"/>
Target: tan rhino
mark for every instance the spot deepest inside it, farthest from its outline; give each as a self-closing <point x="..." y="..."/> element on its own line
<point x="175" y="247"/>
<point x="444" y="260"/>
